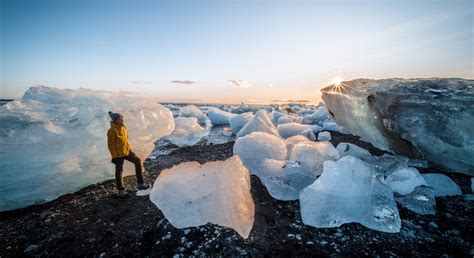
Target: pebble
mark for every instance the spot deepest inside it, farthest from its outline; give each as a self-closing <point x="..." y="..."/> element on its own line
<point x="102" y="255"/>
<point x="323" y="242"/>
<point x="434" y="225"/>
<point x="186" y="231"/>
<point x="310" y="243"/>
<point x="339" y="234"/>
<point x="30" y="248"/>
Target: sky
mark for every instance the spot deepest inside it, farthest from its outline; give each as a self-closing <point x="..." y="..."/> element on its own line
<point x="229" y="51"/>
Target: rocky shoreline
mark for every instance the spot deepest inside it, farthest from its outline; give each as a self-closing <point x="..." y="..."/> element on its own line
<point x="94" y="222"/>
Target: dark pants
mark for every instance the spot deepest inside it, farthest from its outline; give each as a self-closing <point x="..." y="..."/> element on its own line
<point x="119" y="169"/>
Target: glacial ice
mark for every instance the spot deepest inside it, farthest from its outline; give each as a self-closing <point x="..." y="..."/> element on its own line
<point x="404" y="180"/>
<point x="442" y="184"/>
<point x="254" y="148"/>
<point x="188" y="132"/>
<point x="349" y="191"/>
<point x="239" y="121"/>
<point x="219" y="117"/>
<point x="291" y="129"/>
<point x="191" y="195"/>
<point x="308" y="134"/>
<point x="421" y="200"/>
<point x="318" y="117"/>
<point x="324" y="136"/>
<point x="420" y="118"/>
<point x="55" y="140"/>
<point x="284" y="179"/>
<point x="260" y="122"/>
<point x="314" y="154"/>
<point x="349" y="149"/>
<point x="193" y="111"/>
<point x="292" y="141"/>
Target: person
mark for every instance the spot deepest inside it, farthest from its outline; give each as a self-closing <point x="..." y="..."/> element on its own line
<point x="117" y="139"/>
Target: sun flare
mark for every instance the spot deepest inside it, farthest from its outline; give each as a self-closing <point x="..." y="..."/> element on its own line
<point x="337" y="81"/>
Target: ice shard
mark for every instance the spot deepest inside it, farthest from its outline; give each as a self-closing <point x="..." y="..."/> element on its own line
<point x="442" y="184"/>
<point x="314" y="154"/>
<point x="188" y="132"/>
<point x="430" y="119"/>
<point x="219" y="117"/>
<point x="260" y="122"/>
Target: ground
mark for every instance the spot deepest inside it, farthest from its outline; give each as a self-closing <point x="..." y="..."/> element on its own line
<point x="94" y="222"/>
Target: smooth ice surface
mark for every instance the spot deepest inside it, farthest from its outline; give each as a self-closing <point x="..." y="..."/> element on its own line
<point x="256" y="147"/>
<point x="187" y="132"/>
<point x="314" y="154"/>
<point x="219" y="117"/>
<point x="292" y="141"/>
<point x="421" y="200"/>
<point x="54" y="141"/>
<point x="349" y="191"/>
<point x="260" y="122"/>
<point x="332" y="126"/>
<point x="427" y="119"/>
<point x="237" y="122"/>
<point x="442" y="184"/>
<point x="291" y="129"/>
<point x="324" y="136"/>
<point x="404" y="180"/>
<point x="284" y="179"/>
<point x="349" y="149"/>
<point x="193" y="111"/>
<point x="191" y="195"/>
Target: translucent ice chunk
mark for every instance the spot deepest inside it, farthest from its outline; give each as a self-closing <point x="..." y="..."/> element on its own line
<point x="291" y="129"/>
<point x="256" y="147"/>
<point x="313" y="154"/>
<point x="191" y="195"/>
<point x="324" y="136"/>
<point x="442" y="184"/>
<point x="349" y="191"/>
<point x="193" y="111"/>
<point x="219" y="117"/>
<point x="237" y="122"/>
<point x="404" y="180"/>
<point x="187" y="132"/>
<point x="421" y="200"/>
<point x="260" y="122"/>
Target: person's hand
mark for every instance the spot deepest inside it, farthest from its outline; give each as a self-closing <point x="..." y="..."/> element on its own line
<point x="114" y="160"/>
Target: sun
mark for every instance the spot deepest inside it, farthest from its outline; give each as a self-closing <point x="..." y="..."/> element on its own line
<point x="337" y="81"/>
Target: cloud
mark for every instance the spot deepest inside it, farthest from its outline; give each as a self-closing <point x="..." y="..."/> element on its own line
<point x="240" y="83"/>
<point x="141" y="82"/>
<point x="184" y="82"/>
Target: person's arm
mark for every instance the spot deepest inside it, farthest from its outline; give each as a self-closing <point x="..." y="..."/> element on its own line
<point x="112" y="142"/>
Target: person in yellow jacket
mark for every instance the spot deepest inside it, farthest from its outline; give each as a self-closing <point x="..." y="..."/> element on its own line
<point x="117" y="139"/>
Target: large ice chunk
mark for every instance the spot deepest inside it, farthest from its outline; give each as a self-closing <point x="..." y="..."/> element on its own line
<point x="256" y="147"/>
<point x="219" y="117"/>
<point x="349" y="191"/>
<point x="187" y="132"/>
<point x="318" y="117"/>
<point x="237" y="122"/>
<point x="314" y="154"/>
<point x="292" y="141"/>
<point x="404" y="180"/>
<point x="442" y="184"/>
<point x="54" y="141"/>
<point x="193" y="111"/>
<point x="191" y="195"/>
<point x="291" y="129"/>
<point x="419" y="118"/>
<point x="260" y="122"/>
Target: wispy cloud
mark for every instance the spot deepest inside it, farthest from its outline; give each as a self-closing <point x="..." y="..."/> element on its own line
<point x="240" y="83"/>
<point x="140" y="82"/>
<point x="186" y="82"/>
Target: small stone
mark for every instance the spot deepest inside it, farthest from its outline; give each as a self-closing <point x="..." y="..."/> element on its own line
<point x="323" y="242"/>
<point x="30" y="248"/>
<point x="102" y="255"/>
<point x="186" y="231"/>
<point x="339" y="234"/>
<point x="449" y="216"/>
<point x="434" y="225"/>
<point x="310" y="243"/>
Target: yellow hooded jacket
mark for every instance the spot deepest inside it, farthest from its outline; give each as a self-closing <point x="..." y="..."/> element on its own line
<point x="118" y="140"/>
